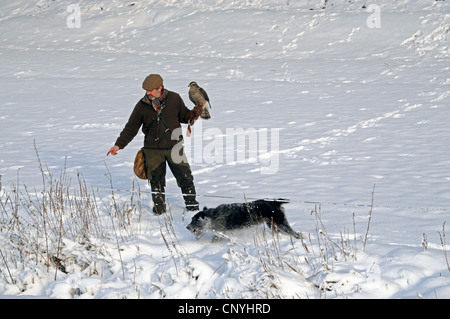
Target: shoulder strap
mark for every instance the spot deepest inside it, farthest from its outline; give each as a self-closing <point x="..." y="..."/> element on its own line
<point x="154" y="119"/>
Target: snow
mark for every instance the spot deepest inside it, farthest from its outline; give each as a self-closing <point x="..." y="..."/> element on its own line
<point x="341" y="106"/>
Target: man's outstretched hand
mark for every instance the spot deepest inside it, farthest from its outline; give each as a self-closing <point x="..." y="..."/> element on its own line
<point x="113" y="150"/>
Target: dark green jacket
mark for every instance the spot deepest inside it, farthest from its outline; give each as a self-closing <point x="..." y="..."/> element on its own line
<point x="160" y="133"/>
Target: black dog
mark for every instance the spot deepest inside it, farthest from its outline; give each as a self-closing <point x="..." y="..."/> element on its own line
<point x="236" y="216"/>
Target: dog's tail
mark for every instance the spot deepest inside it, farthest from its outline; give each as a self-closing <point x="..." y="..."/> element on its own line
<point x="278" y="201"/>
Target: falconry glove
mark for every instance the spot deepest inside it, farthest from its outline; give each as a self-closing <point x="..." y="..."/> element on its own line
<point x="193" y="115"/>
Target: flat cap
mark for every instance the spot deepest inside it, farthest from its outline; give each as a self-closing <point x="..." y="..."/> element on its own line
<point x="151" y="82"/>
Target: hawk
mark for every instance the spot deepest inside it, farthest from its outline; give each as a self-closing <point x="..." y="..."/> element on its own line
<point x="199" y="97"/>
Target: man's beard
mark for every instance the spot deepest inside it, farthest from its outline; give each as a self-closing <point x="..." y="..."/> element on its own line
<point x="151" y="97"/>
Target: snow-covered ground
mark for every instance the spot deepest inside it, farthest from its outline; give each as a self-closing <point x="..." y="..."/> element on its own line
<point x="342" y="102"/>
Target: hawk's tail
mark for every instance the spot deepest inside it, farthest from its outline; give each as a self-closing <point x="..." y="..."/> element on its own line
<point x="205" y="113"/>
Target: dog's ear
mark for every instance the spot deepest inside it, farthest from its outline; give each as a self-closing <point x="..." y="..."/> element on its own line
<point x="205" y="208"/>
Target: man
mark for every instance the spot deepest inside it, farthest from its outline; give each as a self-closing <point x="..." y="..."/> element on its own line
<point x="160" y="113"/>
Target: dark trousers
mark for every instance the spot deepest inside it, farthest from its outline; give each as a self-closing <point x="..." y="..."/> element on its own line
<point x="156" y="163"/>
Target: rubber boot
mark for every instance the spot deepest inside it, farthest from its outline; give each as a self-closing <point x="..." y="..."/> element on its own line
<point x="189" y="198"/>
<point x="159" y="199"/>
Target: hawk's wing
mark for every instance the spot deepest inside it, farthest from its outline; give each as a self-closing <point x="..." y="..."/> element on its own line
<point x="205" y="96"/>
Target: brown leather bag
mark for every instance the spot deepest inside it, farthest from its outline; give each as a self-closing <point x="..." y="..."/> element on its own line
<point x="139" y="165"/>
